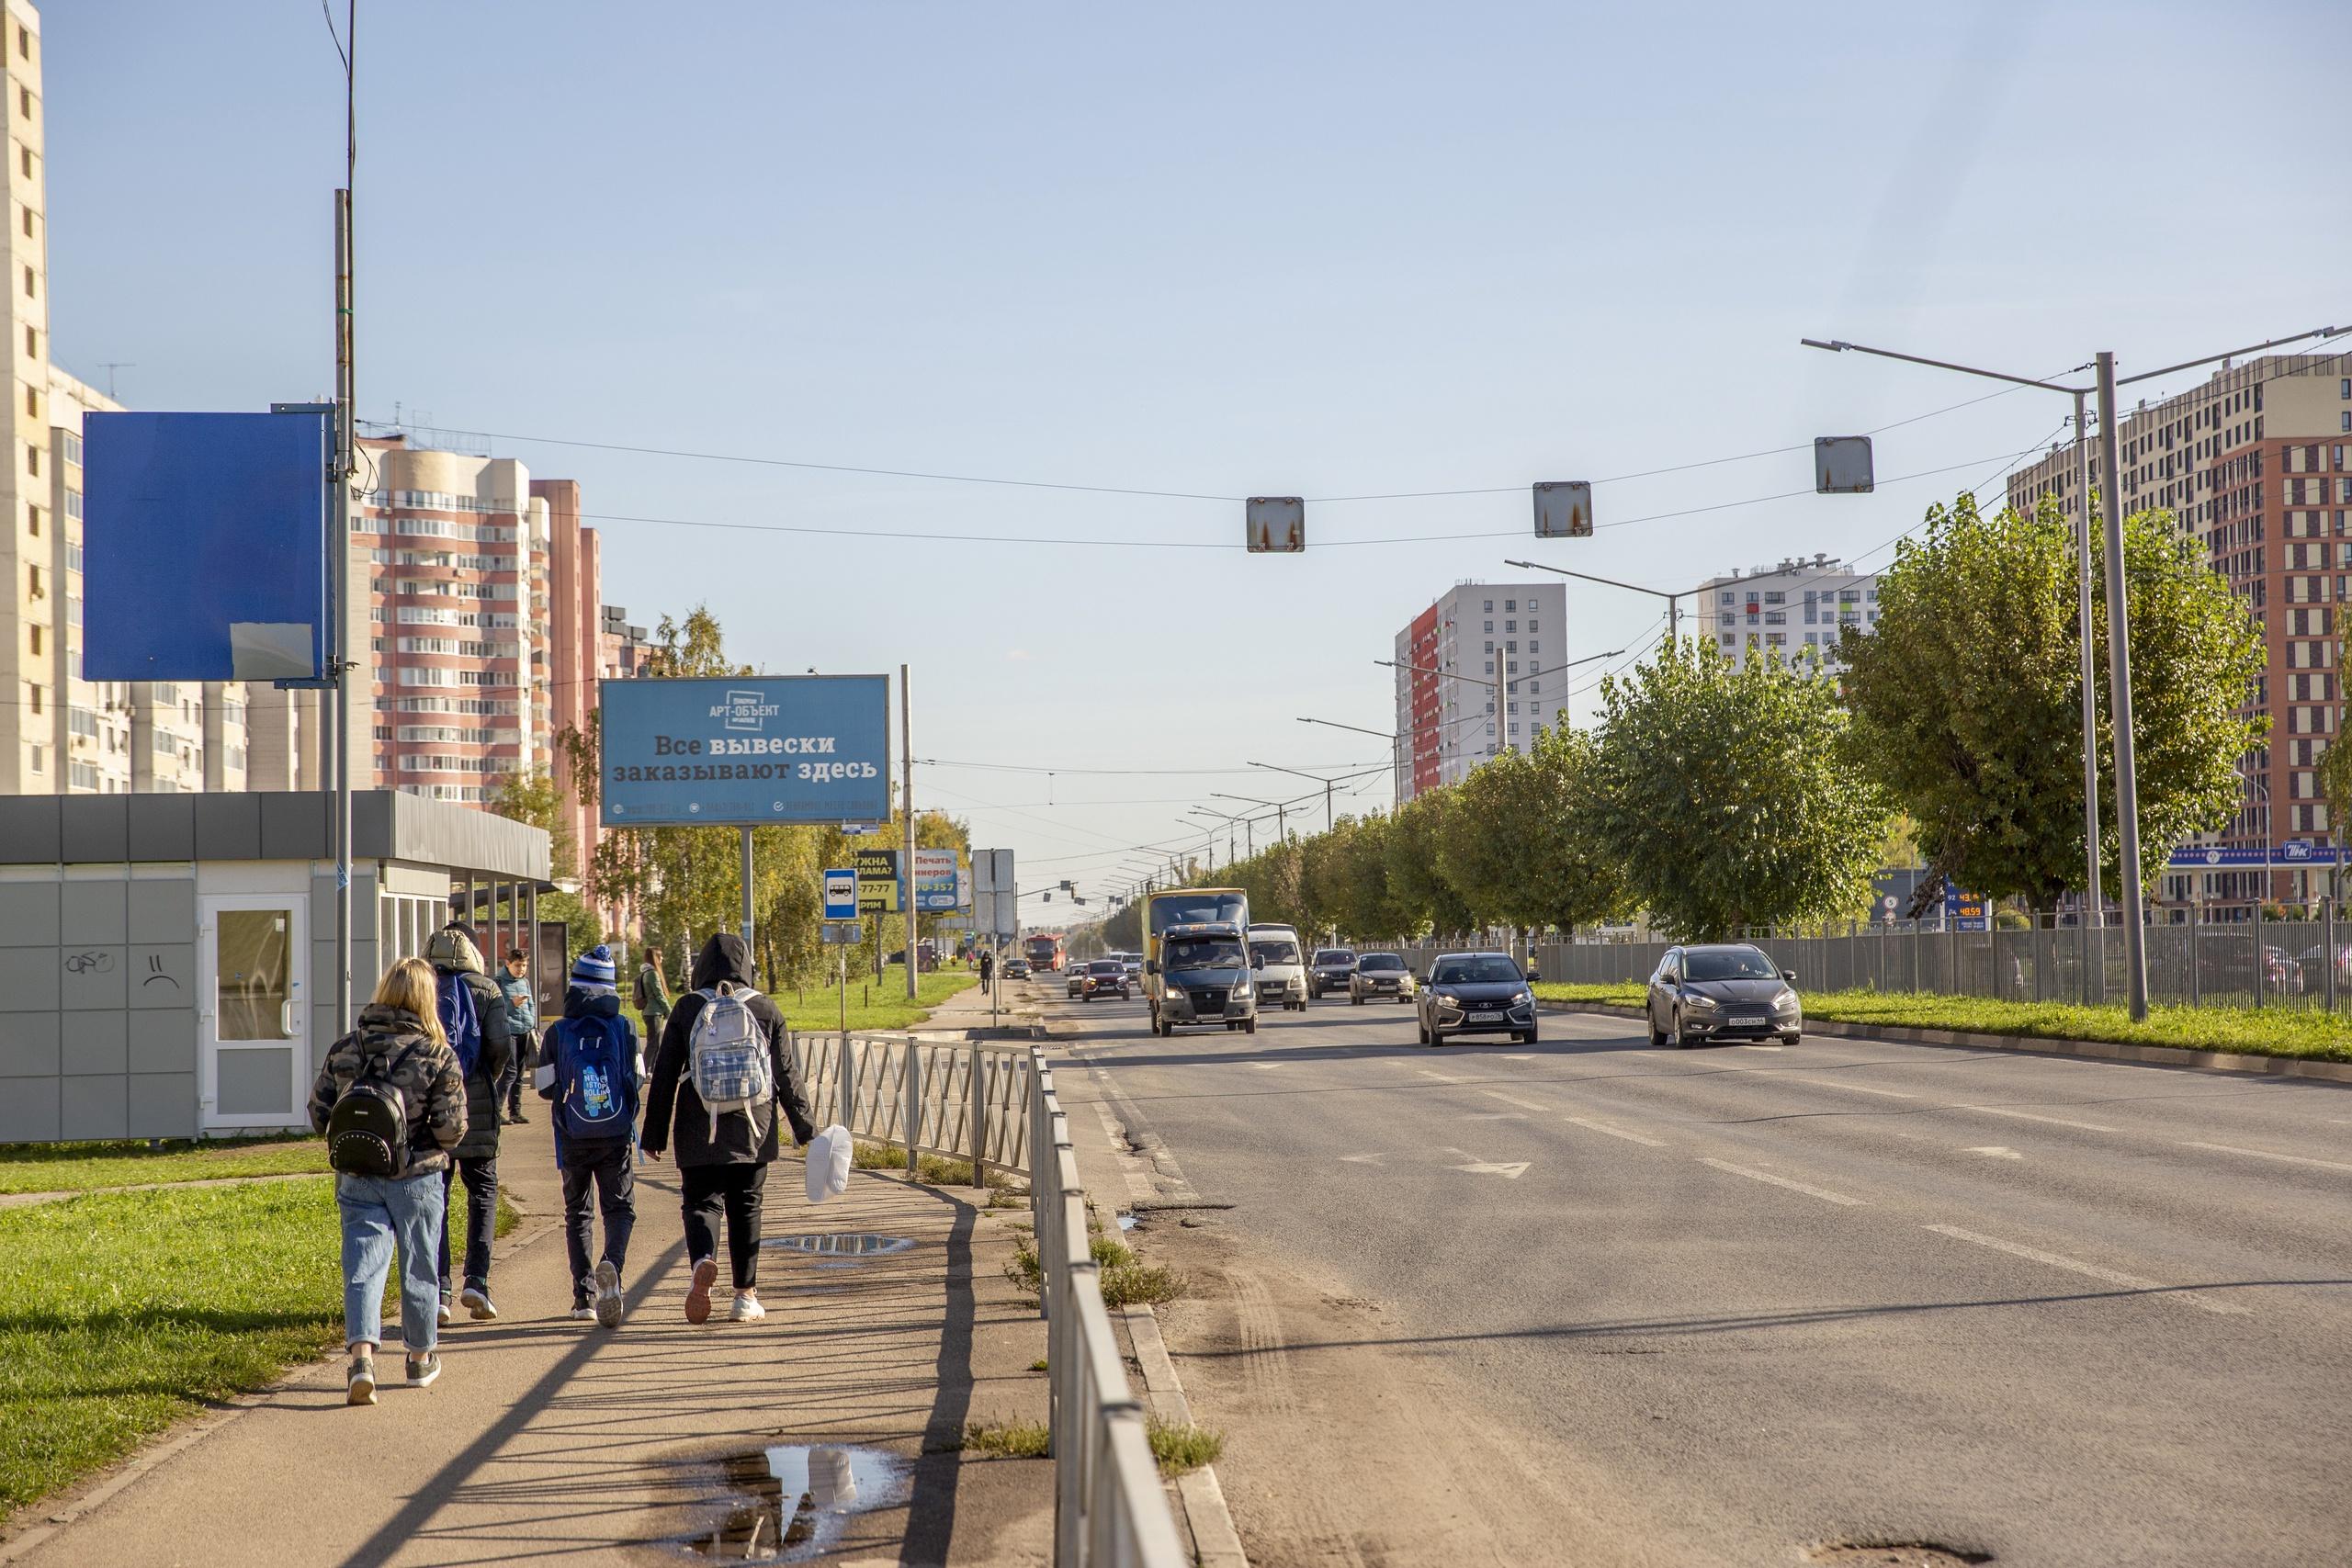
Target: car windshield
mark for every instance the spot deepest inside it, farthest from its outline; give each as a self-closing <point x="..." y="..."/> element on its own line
<point x="1380" y="961"/>
<point x="1335" y="955"/>
<point x="1275" y="952"/>
<point x="1106" y="966"/>
<point x="1205" y="952"/>
<point x="1476" y="972"/>
<point x="1728" y="964"/>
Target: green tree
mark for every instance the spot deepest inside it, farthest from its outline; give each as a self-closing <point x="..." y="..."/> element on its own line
<point x="1521" y="843"/>
<point x="1967" y="697"/>
<point x="532" y="798"/>
<point x="1727" y="795"/>
<point x="1422" y="894"/>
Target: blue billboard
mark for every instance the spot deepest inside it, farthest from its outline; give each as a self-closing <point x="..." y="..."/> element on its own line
<point x="205" y="546"/>
<point x="745" y="748"/>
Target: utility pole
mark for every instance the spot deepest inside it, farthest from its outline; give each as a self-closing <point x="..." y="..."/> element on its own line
<point x="907" y="869"/>
<point x="346" y="467"/>
<point x="2119" y="703"/>
<point x="2091" y="913"/>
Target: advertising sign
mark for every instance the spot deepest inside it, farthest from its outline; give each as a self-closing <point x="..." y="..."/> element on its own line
<point x="935" y="879"/>
<point x="745" y="749"/>
<point x="2294" y="852"/>
<point x="878" y="881"/>
<point x="841" y="894"/>
<point x="995" y="910"/>
<point x="1965" y="911"/>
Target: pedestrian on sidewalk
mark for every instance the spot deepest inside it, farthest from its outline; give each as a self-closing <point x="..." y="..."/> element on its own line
<point x="988" y="969"/>
<point x="652" y="995"/>
<point x="591" y="1072"/>
<point x="523" y="1026"/>
<point x="723" y="1158"/>
<point x="398" y="1044"/>
<point x="473" y="1015"/>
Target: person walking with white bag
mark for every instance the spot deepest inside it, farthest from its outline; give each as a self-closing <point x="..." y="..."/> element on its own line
<point x="724" y="1084"/>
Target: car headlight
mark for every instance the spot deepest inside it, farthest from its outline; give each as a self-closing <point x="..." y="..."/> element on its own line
<point x="1241" y="992"/>
<point x="1787" y="999"/>
<point x="1525" y="999"/>
<point x="1704" y="1004"/>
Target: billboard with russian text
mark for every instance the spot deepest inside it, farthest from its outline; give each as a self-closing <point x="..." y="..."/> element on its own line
<point x="745" y="748"/>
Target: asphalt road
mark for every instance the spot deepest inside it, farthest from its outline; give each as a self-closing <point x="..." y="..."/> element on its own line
<point x="2060" y="1312"/>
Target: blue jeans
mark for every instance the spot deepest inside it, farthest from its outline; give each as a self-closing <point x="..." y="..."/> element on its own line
<point x="377" y="1213"/>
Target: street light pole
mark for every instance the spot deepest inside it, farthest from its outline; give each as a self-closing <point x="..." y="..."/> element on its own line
<point x="1673" y="600"/>
<point x="1328" y="818"/>
<point x="2092" y="916"/>
<point x="1396" y="749"/>
<point x="2119" y="702"/>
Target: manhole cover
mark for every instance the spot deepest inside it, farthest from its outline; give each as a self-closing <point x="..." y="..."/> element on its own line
<point x="843" y="1244"/>
<point x="787" y="1504"/>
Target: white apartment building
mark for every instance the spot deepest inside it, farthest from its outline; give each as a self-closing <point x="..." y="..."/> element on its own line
<point x="1482" y="668"/>
<point x="1795" y="612"/>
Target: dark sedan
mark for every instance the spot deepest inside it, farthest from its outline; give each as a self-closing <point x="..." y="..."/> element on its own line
<point x="1730" y="991"/>
<point x="1106" y="977"/>
<point x="1476" y="993"/>
<point x="1329" y="970"/>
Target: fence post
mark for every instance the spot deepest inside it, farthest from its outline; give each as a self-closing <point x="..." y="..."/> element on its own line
<point x="2260" y="969"/>
<point x="2327" y="928"/>
<point x="911" y="1107"/>
<point x="2196" y="955"/>
<point x="847" y="1101"/>
<point x="980" y="1120"/>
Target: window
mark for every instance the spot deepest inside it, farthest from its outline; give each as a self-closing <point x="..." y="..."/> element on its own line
<point x="1490" y="645"/>
<point x="1490" y="606"/>
<point x="1776" y="597"/>
<point x="32" y="460"/>
<point x="24" y="161"/>
<point x="1510" y="607"/>
<point x="1490" y="625"/>
<point x="1511" y="646"/>
<point x="1728" y="599"/>
<point x="29" y="283"/>
<point x="32" y="402"/>
<point x="25" y="102"/>
<point x="33" y="342"/>
<point x="1510" y="625"/>
<point x="32" y="521"/>
<point x="37" y="693"/>
<point x="1535" y="626"/>
<point x="40" y="759"/>
<point x="29" y="222"/>
<point x="38" y="590"/>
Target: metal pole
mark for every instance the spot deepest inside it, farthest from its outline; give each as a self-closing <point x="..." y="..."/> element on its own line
<point x="345" y="464"/>
<point x="2327" y="922"/>
<point x="907" y="869"/>
<point x="746" y="831"/>
<point x="2119" y="680"/>
<point x="2259" y="974"/>
<point x="2090" y="675"/>
<point x="980" y="1117"/>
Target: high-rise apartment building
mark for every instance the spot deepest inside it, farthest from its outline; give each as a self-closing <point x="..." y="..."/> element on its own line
<point x="2256" y="464"/>
<point x="34" y="600"/>
<point x="1795" y="612"/>
<point x="1474" y="676"/>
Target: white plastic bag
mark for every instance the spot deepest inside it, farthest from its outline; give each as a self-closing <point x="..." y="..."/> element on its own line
<point x="829" y="1157"/>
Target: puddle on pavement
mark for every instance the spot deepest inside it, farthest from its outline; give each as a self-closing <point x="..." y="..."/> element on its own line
<point x="790" y="1502"/>
<point x="849" y="1244"/>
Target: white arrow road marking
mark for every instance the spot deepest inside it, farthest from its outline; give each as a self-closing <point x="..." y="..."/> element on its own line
<point x="1614" y="1132"/>
<point x="1822" y="1193"/>
<point x="2031" y="1116"/>
<point x="1850" y="1087"/>
<point x="2090" y="1270"/>
<point x="1512" y="1100"/>
<point x="2265" y="1154"/>
<point x="1514" y="1171"/>
<point x="1995" y="1151"/>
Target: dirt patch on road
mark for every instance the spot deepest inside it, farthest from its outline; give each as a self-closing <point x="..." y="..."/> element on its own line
<point x="1346" y="1444"/>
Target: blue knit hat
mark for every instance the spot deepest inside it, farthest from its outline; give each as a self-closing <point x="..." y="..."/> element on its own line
<point x="594" y="967"/>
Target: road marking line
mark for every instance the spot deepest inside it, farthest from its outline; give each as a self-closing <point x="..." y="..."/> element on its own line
<point x="2265" y="1154"/>
<point x="1762" y="1048"/>
<point x="1615" y="1131"/>
<point x="1822" y="1193"/>
<point x="1995" y="1151"/>
<point x="1496" y="1116"/>
<point x="2089" y="1271"/>
<point x="2031" y="1116"/>
<point x="1512" y="1100"/>
<point x="1363" y="1159"/>
<point x="1513" y="1170"/>
<point x="1854" y="1087"/>
<point x="1265" y="1067"/>
<point x="1441" y="1078"/>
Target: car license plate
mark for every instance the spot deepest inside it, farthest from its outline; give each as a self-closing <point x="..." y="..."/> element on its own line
<point x="1486" y="1017"/>
<point x="1750" y="1022"/>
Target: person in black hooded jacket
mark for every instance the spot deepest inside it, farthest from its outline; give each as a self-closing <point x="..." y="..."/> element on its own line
<point x="728" y="1170"/>
<point x="457" y="960"/>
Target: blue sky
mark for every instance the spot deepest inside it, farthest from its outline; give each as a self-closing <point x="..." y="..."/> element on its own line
<point x="1227" y="249"/>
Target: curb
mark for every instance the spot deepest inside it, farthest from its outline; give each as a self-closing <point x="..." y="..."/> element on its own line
<point x="2178" y="1057"/>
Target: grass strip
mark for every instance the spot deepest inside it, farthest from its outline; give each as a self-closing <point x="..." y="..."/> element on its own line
<point x="2267" y="1031"/>
<point x="1127" y="1279"/>
<point x="83" y="1167"/>
<point x="1180" y="1446"/>
<point x="874" y="1004"/>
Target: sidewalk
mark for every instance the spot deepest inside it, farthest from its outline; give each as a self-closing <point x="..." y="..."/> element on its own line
<point x="549" y="1440"/>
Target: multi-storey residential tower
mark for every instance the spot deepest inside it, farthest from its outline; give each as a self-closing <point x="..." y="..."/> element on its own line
<point x="2255" y="464"/>
<point x="1448" y="660"/>
<point x="1794" y="611"/>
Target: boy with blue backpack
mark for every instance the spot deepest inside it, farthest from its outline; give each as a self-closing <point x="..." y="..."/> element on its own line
<point x="590" y="1071"/>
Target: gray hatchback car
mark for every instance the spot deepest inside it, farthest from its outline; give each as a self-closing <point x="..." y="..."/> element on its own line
<point x="1722" y="991"/>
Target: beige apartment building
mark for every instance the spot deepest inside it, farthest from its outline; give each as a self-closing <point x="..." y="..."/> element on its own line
<point x="2256" y="464"/>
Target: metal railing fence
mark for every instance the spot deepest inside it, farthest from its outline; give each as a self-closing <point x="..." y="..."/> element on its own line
<point x="957" y="1098"/>
<point x="2299" y="963"/>
<point x="1109" y="1509"/>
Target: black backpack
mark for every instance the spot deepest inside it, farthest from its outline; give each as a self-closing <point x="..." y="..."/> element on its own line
<point x="367" y="1129"/>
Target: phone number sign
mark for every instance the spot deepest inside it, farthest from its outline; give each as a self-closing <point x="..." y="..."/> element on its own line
<point x="745" y="748"/>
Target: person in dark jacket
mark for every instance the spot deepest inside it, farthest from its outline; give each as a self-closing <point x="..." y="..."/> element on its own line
<point x="521" y="1026"/>
<point x="397" y="1039"/>
<point x="594" y="1163"/>
<point x="728" y="1170"/>
<point x="457" y="961"/>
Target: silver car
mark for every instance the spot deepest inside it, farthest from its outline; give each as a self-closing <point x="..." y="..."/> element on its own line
<point x="1723" y="991"/>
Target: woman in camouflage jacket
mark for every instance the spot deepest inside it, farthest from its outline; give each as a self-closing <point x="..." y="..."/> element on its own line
<point x="402" y="1025"/>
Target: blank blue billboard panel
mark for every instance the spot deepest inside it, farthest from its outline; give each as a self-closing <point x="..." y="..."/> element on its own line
<point x="745" y="748"/>
<point x="204" y="539"/>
